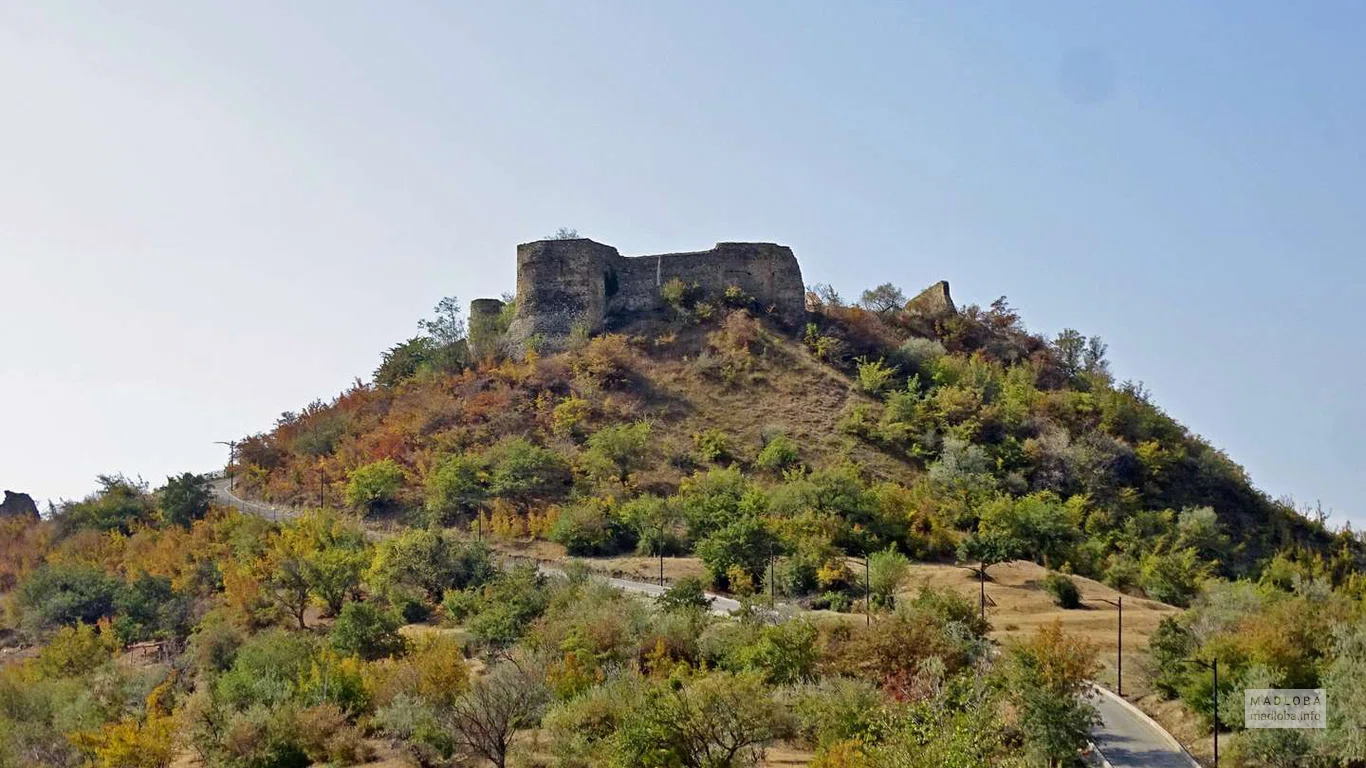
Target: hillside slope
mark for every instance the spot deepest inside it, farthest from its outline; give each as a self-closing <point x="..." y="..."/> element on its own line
<point x="861" y="430"/>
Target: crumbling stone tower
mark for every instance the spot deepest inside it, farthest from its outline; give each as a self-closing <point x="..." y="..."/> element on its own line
<point x="564" y="283"/>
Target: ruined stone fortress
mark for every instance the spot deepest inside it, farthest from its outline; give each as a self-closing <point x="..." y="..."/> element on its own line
<point x="578" y="283"/>
<point x="566" y="283"/>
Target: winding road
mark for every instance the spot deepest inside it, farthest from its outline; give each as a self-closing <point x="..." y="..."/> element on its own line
<point x="1126" y="738"/>
<point x="1130" y="739"/>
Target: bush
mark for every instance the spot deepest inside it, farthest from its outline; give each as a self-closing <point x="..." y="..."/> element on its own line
<point x="568" y="417"/>
<point x="784" y="653"/>
<point x="503" y="611"/>
<point x="676" y="293"/>
<point x="685" y="595"/>
<point x="607" y="361"/>
<point x="918" y="355"/>
<point x="797" y="575"/>
<point x="886" y="572"/>
<point x="837" y="709"/>
<point x="780" y="453"/>
<point x="718" y="719"/>
<point x="874" y="376"/>
<point x="1063" y="589"/>
<point x="74" y="651"/>
<point x="365" y="631"/>
<point x="711" y="445"/>
<point x="592" y="528"/>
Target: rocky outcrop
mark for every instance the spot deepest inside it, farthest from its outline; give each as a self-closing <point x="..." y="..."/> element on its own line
<point x="18" y="505"/>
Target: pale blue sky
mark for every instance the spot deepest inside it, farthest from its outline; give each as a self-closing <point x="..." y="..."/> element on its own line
<point x="214" y="212"/>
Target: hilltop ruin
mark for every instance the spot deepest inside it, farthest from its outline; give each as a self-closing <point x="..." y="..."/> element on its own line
<point x="562" y="284"/>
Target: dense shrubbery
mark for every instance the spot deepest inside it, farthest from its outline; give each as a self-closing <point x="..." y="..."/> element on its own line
<point x="247" y="676"/>
<point x="963" y="435"/>
<point x="1289" y="631"/>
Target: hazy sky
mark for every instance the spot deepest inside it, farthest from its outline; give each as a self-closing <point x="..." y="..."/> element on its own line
<point x="211" y="213"/>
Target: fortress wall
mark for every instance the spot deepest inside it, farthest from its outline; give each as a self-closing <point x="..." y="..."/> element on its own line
<point x="636" y="286"/>
<point x="484" y="333"/>
<point x="768" y="272"/>
<point x="563" y="283"/>
<point x="560" y="283"/>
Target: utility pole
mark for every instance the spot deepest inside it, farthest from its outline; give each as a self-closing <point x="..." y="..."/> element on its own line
<point x="1119" y="644"/>
<point x="867" y="590"/>
<point x="660" y="544"/>
<point x="772" y="578"/>
<point x="322" y="487"/>
<point x="982" y="590"/>
<point x="232" y="454"/>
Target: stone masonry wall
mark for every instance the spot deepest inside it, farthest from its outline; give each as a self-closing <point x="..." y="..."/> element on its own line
<point x="563" y="283"/>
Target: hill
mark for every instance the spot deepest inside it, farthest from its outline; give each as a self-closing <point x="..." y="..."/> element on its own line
<point x="911" y="425"/>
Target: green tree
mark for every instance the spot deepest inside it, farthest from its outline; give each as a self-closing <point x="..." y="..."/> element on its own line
<point x="653" y="518"/>
<point x="457" y="486"/>
<point x="886" y="299"/>
<point x="1199" y="528"/>
<point x="73" y="651"/>
<point x="1174" y="577"/>
<point x="404" y="360"/>
<point x="1049" y="676"/>
<point x="1038" y="523"/>
<point x="286" y="573"/>
<point x="712" y="499"/>
<point x="617" y="451"/>
<point x="429" y="563"/>
<point x="1344" y="682"/>
<point x="363" y="630"/>
<point x="374" y="486"/>
<point x="785" y="653"/>
<point x="56" y="595"/>
<point x="521" y="470"/>
<point x="119" y="504"/>
<point x="185" y="499"/>
<point x="988" y="549"/>
<point x="1080" y="356"/>
<point x="746" y="544"/>
<point x="719" y="720"/>
<point x="334" y="554"/>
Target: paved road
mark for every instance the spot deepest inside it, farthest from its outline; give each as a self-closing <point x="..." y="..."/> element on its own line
<point x="223" y="496"/>
<point x="1126" y="739"/>
<point x="1129" y="740"/>
<point x="720" y="605"/>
